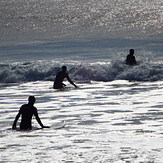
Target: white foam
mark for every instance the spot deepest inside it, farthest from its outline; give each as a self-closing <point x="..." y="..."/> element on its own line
<point x="46" y="70"/>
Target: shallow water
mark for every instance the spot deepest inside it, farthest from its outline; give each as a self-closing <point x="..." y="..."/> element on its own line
<point x="116" y="121"/>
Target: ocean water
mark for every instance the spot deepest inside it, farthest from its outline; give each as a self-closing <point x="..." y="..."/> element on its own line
<point x="115" y="116"/>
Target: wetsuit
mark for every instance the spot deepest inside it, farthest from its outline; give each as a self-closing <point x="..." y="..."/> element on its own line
<point x="58" y="83"/>
<point x="27" y="111"/>
<point x="130" y="60"/>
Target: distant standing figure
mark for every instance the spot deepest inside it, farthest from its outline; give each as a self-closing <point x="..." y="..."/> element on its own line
<point x="58" y="83"/>
<point x="27" y="111"/>
<point x="130" y="60"/>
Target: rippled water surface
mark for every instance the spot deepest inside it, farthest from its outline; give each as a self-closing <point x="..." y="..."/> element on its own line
<point x="115" y="121"/>
<point x="61" y="18"/>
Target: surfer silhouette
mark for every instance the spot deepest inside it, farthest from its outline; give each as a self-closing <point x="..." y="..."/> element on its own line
<point x="130" y="59"/>
<point x="26" y="112"/>
<point x="58" y="83"/>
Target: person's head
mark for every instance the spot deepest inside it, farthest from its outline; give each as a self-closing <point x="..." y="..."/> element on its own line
<point x="64" y="68"/>
<point x="131" y="51"/>
<point x="31" y="100"/>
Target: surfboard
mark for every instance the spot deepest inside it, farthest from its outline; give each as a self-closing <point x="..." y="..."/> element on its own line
<point x="55" y="126"/>
<point x="58" y="125"/>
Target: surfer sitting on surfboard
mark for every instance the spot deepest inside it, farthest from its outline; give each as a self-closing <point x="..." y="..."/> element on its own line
<point x="27" y="111"/>
<point x="58" y="83"/>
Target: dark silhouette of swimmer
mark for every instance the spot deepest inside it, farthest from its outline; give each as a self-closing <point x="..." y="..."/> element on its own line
<point x="58" y="83"/>
<point x="27" y="111"/>
<point x="130" y="60"/>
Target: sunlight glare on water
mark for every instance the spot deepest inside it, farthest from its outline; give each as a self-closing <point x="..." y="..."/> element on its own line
<point x="116" y="121"/>
<point x="122" y="18"/>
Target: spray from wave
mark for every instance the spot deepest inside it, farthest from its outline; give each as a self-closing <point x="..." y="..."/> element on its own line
<point x="46" y="71"/>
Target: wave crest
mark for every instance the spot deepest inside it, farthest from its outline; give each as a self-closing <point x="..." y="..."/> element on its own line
<point x="116" y="70"/>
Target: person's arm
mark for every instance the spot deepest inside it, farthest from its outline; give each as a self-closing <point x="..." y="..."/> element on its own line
<point x="63" y="84"/>
<point x="71" y="82"/>
<point x="135" y="63"/>
<point x="39" y="120"/>
<point x="127" y="60"/>
<point x="16" y="119"/>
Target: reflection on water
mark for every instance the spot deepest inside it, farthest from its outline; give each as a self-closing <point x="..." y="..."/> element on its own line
<point x="99" y="127"/>
<point x="61" y="18"/>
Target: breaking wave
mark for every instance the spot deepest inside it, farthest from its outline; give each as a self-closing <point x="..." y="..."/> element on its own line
<point x="100" y="71"/>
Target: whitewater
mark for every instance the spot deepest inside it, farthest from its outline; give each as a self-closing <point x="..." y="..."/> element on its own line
<point x="116" y="113"/>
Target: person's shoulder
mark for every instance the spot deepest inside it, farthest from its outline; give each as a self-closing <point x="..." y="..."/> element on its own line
<point x="34" y="108"/>
<point x="128" y="56"/>
<point x="64" y="73"/>
<point x="59" y="72"/>
<point x="24" y="105"/>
